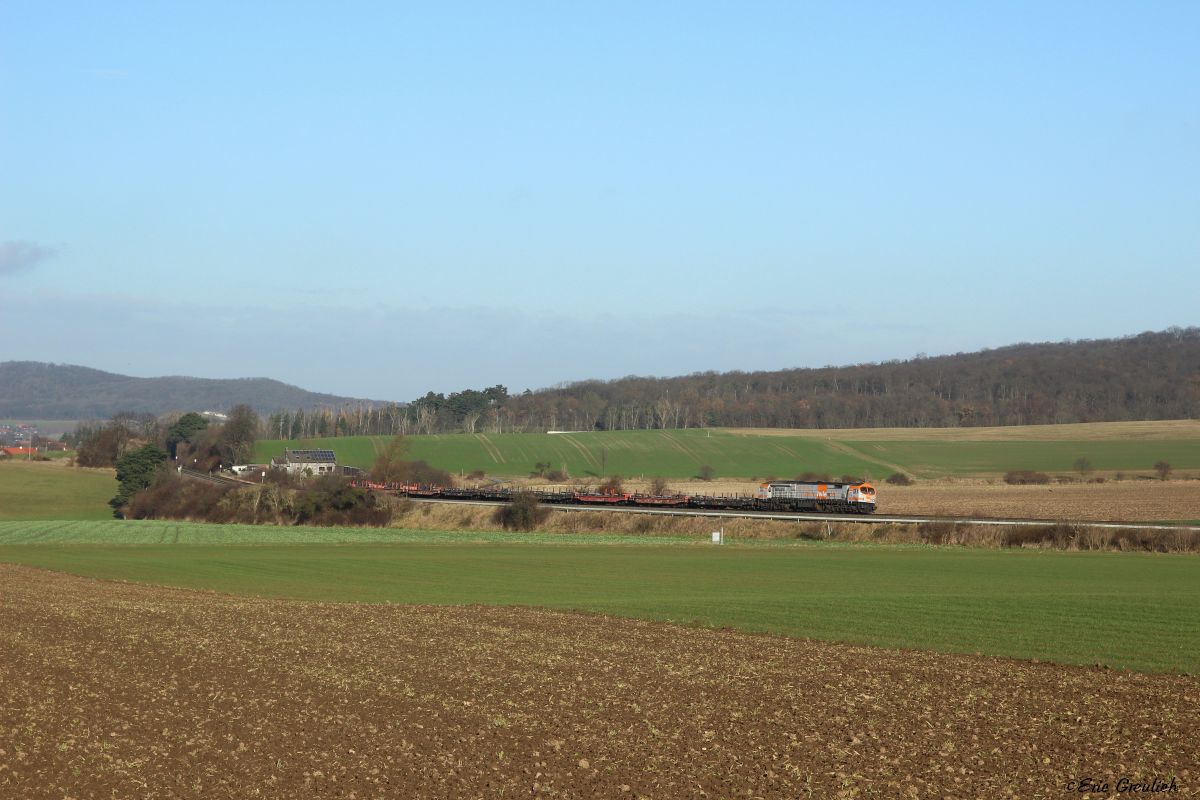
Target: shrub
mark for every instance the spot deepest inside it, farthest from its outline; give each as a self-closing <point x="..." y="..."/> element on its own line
<point x="523" y="513"/>
<point x="1025" y="476"/>
<point x="1059" y="536"/>
<point x="1022" y="537"/>
<point x="812" y="531"/>
<point x="645" y="523"/>
<point x="612" y="486"/>
<point x="1095" y="539"/>
<point x="476" y="475"/>
<point x="283" y="478"/>
<point x="171" y="497"/>
<point x="1127" y="539"/>
<point x="659" y="487"/>
<point x="900" y="479"/>
<point x="421" y="472"/>
<point x="810" y="476"/>
<point x="556" y="476"/>
<point x="103" y="447"/>
<point x="706" y="473"/>
<point x="1163" y="469"/>
<point x="391" y="467"/>
<point x="937" y="532"/>
<point x="331" y="500"/>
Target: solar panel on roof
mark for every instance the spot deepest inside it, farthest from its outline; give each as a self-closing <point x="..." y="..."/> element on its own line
<point x="312" y="456"/>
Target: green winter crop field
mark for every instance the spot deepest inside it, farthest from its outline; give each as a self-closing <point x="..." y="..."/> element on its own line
<point x="746" y="454"/>
<point x="44" y="490"/>
<point x="673" y="453"/>
<point x="1137" y="611"/>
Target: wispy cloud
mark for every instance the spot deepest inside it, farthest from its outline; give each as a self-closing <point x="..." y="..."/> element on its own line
<point x="16" y="256"/>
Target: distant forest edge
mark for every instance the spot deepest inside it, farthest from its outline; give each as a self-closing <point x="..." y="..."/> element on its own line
<point x="1150" y="376"/>
<point x="35" y="390"/>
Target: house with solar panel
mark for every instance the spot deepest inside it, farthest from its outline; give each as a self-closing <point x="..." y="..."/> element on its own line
<point x="307" y="462"/>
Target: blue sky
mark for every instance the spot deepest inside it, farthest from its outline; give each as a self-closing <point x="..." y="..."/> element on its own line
<point x="378" y="199"/>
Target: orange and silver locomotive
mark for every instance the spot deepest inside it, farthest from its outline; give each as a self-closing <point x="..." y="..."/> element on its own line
<point x="843" y="498"/>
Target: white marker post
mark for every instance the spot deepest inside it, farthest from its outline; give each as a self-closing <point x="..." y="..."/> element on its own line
<point x="718" y="537"/>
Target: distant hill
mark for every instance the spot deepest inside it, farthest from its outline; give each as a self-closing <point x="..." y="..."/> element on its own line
<point x="1150" y="376"/>
<point x="36" y="390"/>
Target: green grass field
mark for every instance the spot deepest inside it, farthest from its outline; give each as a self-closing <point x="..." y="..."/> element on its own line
<point x="677" y="454"/>
<point x="40" y="490"/>
<point x="936" y="459"/>
<point x="1133" y="611"/>
<point x="680" y="453"/>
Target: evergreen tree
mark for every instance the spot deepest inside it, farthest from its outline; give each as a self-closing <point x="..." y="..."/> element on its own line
<point x="135" y="471"/>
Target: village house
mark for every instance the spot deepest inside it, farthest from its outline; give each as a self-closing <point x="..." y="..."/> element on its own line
<point x="307" y="462"/>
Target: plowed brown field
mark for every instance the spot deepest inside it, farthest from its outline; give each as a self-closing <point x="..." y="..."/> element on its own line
<point x="1139" y="501"/>
<point x="1114" y="501"/>
<point x="113" y="690"/>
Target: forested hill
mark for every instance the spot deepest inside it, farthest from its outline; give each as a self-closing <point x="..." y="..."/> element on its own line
<point x="35" y="390"/>
<point x="1144" y="377"/>
<point x="1148" y="376"/>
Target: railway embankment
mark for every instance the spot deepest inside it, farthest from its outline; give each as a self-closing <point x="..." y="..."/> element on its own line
<point x="1048" y="535"/>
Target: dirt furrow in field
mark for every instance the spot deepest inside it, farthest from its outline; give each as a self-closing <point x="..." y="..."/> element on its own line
<point x="114" y="690"/>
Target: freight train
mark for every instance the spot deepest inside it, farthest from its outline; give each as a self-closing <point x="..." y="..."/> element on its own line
<point x="828" y="497"/>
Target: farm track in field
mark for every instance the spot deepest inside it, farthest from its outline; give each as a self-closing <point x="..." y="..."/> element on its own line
<point x="109" y="689"/>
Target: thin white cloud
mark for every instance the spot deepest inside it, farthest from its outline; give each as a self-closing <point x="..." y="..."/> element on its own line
<point x="17" y="256"/>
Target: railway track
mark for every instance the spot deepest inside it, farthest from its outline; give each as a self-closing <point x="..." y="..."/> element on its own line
<point x="219" y="480"/>
<point x="806" y="516"/>
<point x="802" y="516"/>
